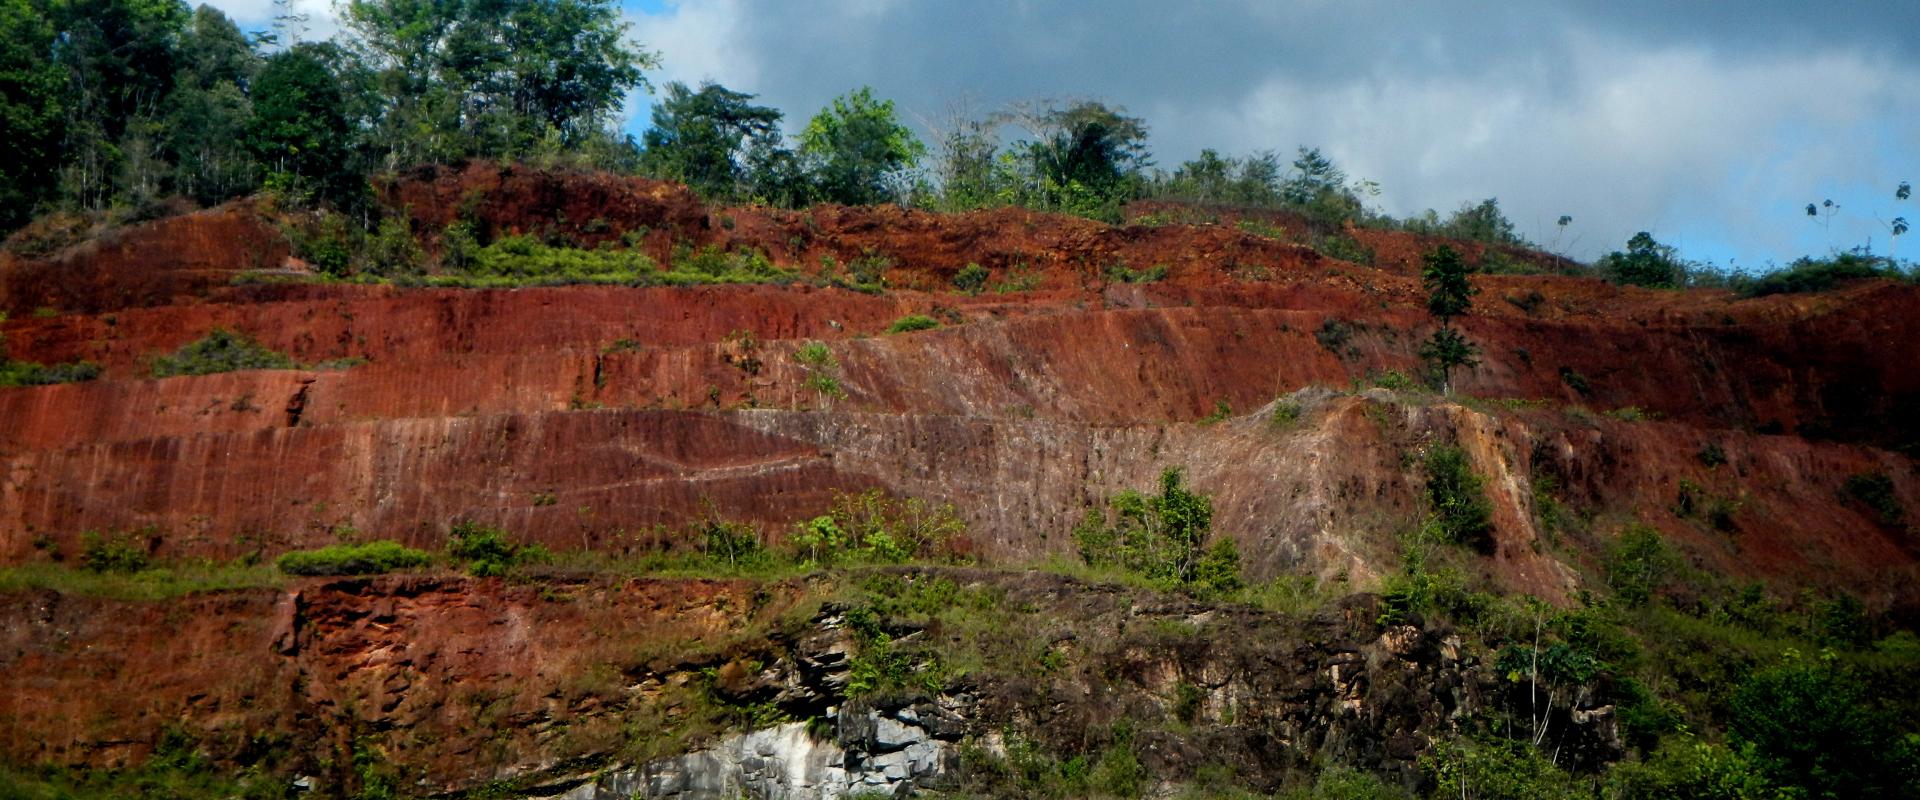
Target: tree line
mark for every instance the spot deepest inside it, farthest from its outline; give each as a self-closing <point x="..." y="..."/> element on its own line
<point x="116" y="105"/>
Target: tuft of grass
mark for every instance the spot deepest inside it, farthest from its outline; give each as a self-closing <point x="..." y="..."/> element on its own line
<point x="913" y="322"/>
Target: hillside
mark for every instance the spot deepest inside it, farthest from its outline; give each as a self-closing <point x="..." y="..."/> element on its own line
<point x="1760" y="441"/>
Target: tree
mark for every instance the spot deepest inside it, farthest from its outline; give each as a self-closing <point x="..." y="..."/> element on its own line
<point x="299" y="130"/>
<point x="858" y="151"/>
<point x="32" y="107"/>
<point x="208" y="113"/>
<point x="1088" y="158"/>
<point x="492" y="78"/>
<point x="700" y="138"/>
<point x="118" y="56"/>
<point x="1483" y="222"/>
<point x="1646" y="262"/>
<point x="1449" y="295"/>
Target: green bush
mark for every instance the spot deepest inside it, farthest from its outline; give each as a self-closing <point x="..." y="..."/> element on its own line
<point x="487" y="551"/>
<point x="1875" y="491"/>
<point x="369" y="558"/>
<point x="971" y="278"/>
<point x="1457" y="500"/>
<point x="1639" y="564"/>
<point x="1118" y="272"/>
<point x="1809" y="274"/>
<point x="1162" y="538"/>
<point x="1814" y="724"/>
<point x="23" y="373"/>
<point x="913" y="322"/>
<point x="870" y="527"/>
<point x="119" y="552"/>
<point x="1692" y="769"/>
<point x="220" y="351"/>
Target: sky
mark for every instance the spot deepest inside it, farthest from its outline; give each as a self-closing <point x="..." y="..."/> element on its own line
<point x="1709" y="124"/>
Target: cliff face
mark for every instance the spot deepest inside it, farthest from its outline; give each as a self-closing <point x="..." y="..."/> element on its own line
<point x="609" y="418"/>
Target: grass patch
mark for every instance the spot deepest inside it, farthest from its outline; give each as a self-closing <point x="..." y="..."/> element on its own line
<point x="221" y="350"/>
<point x="369" y="558"/>
<point x="151" y="583"/>
<point x="913" y="322"/>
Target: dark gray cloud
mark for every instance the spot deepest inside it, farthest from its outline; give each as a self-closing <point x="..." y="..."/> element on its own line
<point x="1709" y="123"/>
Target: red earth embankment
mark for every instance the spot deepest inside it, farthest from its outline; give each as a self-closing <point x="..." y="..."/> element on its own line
<point x="587" y="416"/>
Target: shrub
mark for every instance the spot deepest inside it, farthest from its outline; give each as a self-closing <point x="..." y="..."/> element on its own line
<point x="1222" y="411"/>
<point x="370" y="558"/>
<point x="871" y="527"/>
<point x="392" y="250"/>
<point x="1813" y="724"/>
<point x="1286" y="414"/>
<point x="119" y="552"/>
<point x="1875" y="491"/>
<point x="1638" y="564"/>
<point x="1118" y="272"/>
<point x="1809" y="274"/>
<point x="1162" y="538"/>
<point x="971" y="278"/>
<point x="734" y="544"/>
<point x="220" y="351"/>
<point x="1456" y="499"/>
<point x="487" y="551"/>
<point x="1646" y="262"/>
<point x="913" y="322"/>
<point x="23" y="373"/>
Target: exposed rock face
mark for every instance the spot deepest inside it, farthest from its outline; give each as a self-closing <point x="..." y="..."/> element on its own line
<point x="888" y="755"/>
<point x="459" y="683"/>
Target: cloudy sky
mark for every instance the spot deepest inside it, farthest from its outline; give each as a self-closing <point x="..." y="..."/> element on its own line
<point x="1711" y="124"/>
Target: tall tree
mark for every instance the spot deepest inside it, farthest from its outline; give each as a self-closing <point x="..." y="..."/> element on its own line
<point x="1449" y="295"/>
<point x="32" y="107"/>
<point x="208" y="113"/>
<point x="300" y="131"/>
<point x="700" y="138"/>
<point x="858" y="150"/>
<point x="493" y="78"/>
<point x="118" y="56"/>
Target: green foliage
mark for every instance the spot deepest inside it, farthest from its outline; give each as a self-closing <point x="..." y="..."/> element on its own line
<point x="1687" y="768"/>
<point x="1222" y="411"/>
<point x="1285" y="414"/>
<point x="125" y="551"/>
<point x="872" y="528"/>
<point x="734" y="544"/>
<point x="221" y="350"/>
<point x="1162" y="538"/>
<point x="1482" y="222"/>
<point x="487" y="551"/>
<point x="1446" y="277"/>
<point x="971" y="278"/>
<point x="491" y="80"/>
<point x="177" y="769"/>
<point x="913" y="322"/>
<point x="819" y="364"/>
<point x="1118" y="272"/>
<point x="701" y="138"/>
<point x="300" y="132"/>
<point x="368" y="558"/>
<point x="1495" y="769"/>
<point x="1875" y="491"/>
<point x="1812" y="724"/>
<point x="392" y="250"/>
<point x="1646" y="262"/>
<point x="1341" y="247"/>
<point x="858" y="150"/>
<point x="1456" y="499"/>
<point x="1810" y="274"/>
<point x="26" y="373"/>
<point x="1639" y="563"/>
